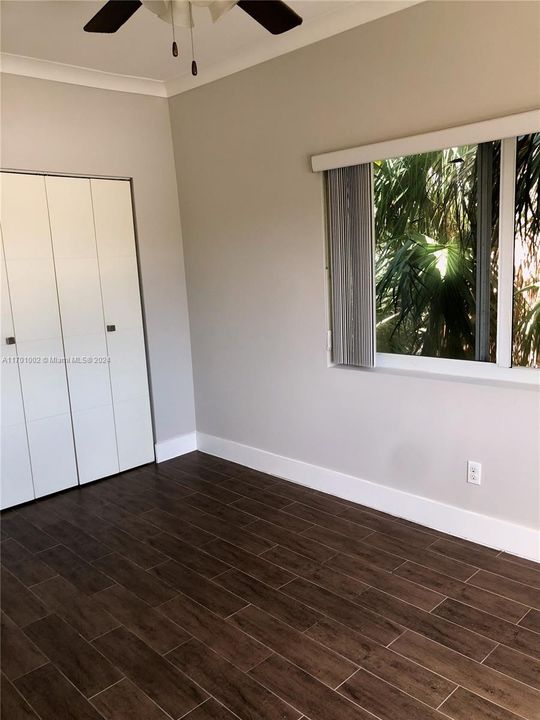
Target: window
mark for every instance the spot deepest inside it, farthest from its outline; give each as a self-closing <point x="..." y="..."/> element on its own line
<point x="434" y="214"/>
<point x="526" y="316"/>
<point x="455" y="237"/>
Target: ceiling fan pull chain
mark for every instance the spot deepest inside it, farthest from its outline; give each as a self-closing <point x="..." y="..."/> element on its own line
<point x="194" y="69"/>
<point x="174" y="45"/>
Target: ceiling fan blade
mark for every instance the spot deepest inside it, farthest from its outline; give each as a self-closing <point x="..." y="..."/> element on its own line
<point x="274" y="15"/>
<point x="112" y="16"/>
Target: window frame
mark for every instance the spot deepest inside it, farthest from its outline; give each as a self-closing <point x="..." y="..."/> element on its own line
<point x="506" y="129"/>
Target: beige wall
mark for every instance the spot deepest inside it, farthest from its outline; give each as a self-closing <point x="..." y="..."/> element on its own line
<point x="252" y="219"/>
<point x="69" y="129"/>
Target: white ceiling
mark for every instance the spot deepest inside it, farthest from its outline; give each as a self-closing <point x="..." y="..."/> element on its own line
<point x="52" y="31"/>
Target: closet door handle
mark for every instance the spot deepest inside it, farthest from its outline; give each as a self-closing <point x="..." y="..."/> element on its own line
<point x="111" y="328"/>
<point x="10" y="340"/>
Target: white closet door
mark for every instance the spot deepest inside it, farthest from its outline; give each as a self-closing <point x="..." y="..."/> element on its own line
<point x="115" y="238"/>
<point x="16" y="472"/>
<point x="81" y="311"/>
<point x="34" y="301"/>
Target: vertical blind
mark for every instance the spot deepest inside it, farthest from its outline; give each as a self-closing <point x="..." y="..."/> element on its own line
<point x="351" y="264"/>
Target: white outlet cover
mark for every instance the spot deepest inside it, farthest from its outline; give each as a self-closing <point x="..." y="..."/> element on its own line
<point x="474" y="472"/>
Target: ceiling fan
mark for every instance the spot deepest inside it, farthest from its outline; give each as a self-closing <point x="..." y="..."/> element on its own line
<point x="274" y="15"/>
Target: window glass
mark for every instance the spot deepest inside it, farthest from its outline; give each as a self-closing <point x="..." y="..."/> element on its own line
<point x="526" y="345"/>
<point x="430" y="210"/>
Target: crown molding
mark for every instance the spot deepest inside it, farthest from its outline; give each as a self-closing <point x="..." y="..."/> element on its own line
<point x="318" y="28"/>
<point x="76" y="75"/>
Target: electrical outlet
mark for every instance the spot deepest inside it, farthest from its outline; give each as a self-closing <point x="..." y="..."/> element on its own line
<point x="474" y="472"/>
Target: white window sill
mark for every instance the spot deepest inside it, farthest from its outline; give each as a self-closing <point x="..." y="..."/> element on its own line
<point x="464" y="370"/>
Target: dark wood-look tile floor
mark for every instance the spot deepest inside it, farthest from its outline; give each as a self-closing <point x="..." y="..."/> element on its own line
<point x="200" y="589"/>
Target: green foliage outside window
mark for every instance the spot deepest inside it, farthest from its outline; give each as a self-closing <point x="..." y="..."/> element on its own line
<point x="426" y="229"/>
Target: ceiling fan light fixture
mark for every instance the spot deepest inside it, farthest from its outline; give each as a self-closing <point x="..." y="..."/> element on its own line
<point x="181" y="9"/>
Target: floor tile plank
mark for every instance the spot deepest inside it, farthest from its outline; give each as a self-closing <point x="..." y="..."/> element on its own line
<point x="295" y="646"/>
<point x="167" y="686"/>
<point x="253" y="477"/>
<point x="297" y="543"/>
<point x="437" y="628"/>
<point x="27" y="534"/>
<point x="338" y="583"/>
<point x="384" y="700"/>
<point x="210" y="505"/>
<point x="239" y="692"/>
<point x="74" y="569"/>
<point x="141" y="619"/>
<point x="26" y="566"/>
<point x="157" y="479"/>
<point x="446" y="565"/>
<point x="213" y="489"/>
<point x="338" y="542"/>
<point x="233" y="534"/>
<point x="197" y="560"/>
<point x="383" y="662"/>
<point x="326" y="520"/>
<point x="464" y="705"/>
<point x="524" y="594"/>
<point x="19" y="654"/>
<point x="216" y="633"/>
<point x="86" y="668"/>
<point x="306" y="693"/>
<point x="357" y="617"/>
<point x="531" y="620"/>
<point x="19" y="603"/>
<point x="269" y="513"/>
<point x="80" y="517"/>
<point x="516" y="665"/>
<point x="489" y="684"/>
<point x="209" y="473"/>
<point x="217" y="599"/>
<point x="519" y="560"/>
<point x="401" y="532"/>
<point x="12" y="704"/>
<point x="317" y="500"/>
<point x="144" y="554"/>
<point x="54" y="697"/>
<point x="40" y="512"/>
<point x="210" y="710"/>
<point x="289" y="560"/>
<point x="125" y="701"/>
<point x="259" y="495"/>
<point x="258" y="567"/>
<point x="323" y="575"/>
<point x="518" y="573"/>
<point x="464" y="592"/>
<point x="516" y="637"/>
<point x="178" y="508"/>
<point x="417" y="594"/>
<point x="114" y="514"/>
<point x="275" y="602"/>
<point x="81" y="611"/>
<point x="165" y="522"/>
<point x="78" y="541"/>
<point x="130" y="501"/>
<point x="140" y="582"/>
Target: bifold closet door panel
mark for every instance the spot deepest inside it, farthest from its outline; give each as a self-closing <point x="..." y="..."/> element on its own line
<point x="115" y="236"/>
<point x="81" y="312"/>
<point x="15" y="472"/>
<point x="36" y="319"/>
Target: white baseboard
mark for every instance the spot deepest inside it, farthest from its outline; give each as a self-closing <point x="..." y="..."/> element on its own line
<point x="179" y="445"/>
<point x="483" y="529"/>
